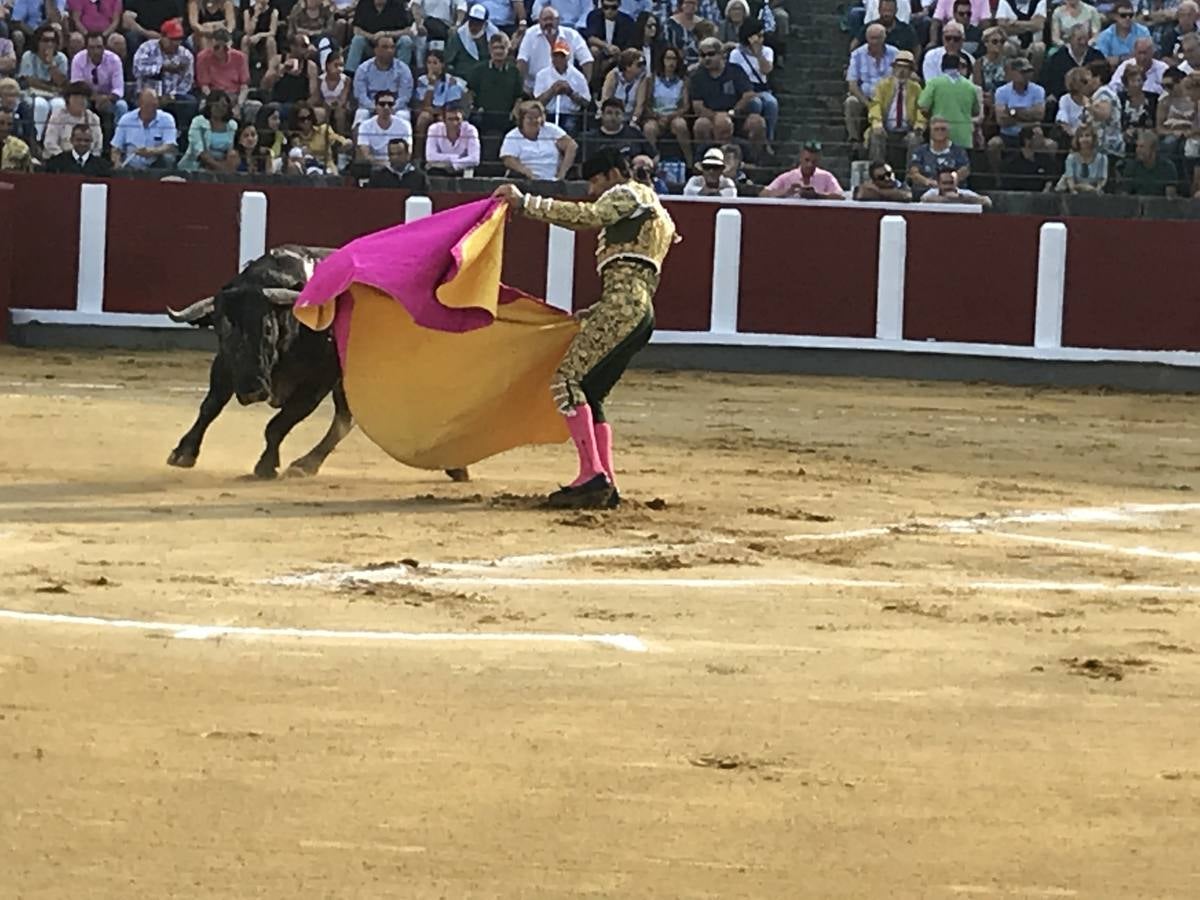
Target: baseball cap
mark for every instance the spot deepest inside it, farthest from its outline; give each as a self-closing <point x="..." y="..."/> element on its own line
<point x="173" y="29"/>
<point x="714" y="158"/>
<point x="811" y="146"/>
<point x="478" y="12"/>
<point x="561" y="46"/>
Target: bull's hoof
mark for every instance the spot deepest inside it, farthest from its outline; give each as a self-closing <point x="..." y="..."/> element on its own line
<point x="181" y="459"/>
<point x="263" y="473"/>
<point x="301" y="469"/>
<point x="459" y="474"/>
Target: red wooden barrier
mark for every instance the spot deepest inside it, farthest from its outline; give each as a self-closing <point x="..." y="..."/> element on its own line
<point x="971" y="278"/>
<point x="45" y="241"/>
<point x="8" y="212"/>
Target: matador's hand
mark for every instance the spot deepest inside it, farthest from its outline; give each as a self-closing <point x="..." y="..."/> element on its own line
<point x="510" y="194"/>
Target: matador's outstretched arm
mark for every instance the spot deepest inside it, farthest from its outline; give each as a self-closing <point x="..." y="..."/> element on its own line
<point x="613" y="206"/>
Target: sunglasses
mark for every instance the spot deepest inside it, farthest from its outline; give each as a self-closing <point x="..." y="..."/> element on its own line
<point x="707" y="54"/>
<point x="886" y="173"/>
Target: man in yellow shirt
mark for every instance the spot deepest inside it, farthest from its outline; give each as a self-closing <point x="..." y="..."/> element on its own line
<point x="894" y="116"/>
<point x="14" y="152"/>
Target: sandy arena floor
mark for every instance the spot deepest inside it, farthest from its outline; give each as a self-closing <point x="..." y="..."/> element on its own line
<point x="869" y="639"/>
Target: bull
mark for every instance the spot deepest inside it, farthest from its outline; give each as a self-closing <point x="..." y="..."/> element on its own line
<point x="265" y="353"/>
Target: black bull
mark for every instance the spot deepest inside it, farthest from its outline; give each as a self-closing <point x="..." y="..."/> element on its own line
<point x="265" y="353"/>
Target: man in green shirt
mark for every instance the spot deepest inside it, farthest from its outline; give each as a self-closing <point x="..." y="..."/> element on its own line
<point x="1148" y="174"/>
<point x="953" y="98"/>
<point x="496" y="89"/>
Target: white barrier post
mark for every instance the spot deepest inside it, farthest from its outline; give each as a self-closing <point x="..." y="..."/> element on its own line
<point x="417" y="208"/>
<point x="560" y="268"/>
<point x="889" y="289"/>
<point x="252" y="225"/>
<point x="1051" y="285"/>
<point x="727" y="271"/>
<point x="93" y="230"/>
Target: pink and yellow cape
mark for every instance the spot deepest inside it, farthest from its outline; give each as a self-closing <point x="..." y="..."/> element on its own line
<point x="443" y="364"/>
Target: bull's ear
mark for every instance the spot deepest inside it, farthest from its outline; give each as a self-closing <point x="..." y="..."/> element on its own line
<point x="280" y="296"/>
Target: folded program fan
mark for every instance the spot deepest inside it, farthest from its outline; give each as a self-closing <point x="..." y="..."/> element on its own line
<point x="443" y="365"/>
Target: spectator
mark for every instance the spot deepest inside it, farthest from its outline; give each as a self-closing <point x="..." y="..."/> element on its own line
<point x="1106" y="119"/>
<point x="1020" y="106"/>
<point x="1026" y="33"/>
<point x="268" y="122"/>
<point x="737" y="12"/>
<point x="205" y="17"/>
<point x="1071" y="13"/>
<point x="145" y="137"/>
<point x="807" y="181"/>
<point x="951" y="97"/>
<point x="260" y="24"/>
<point x="962" y="13"/>
<point x="143" y="20"/>
<point x="614" y="133"/>
<point x="102" y="69"/>
<point x="991" y="68"/>
<point x="534" y="53"/>
<point x="45" y="73"/>
<point x="25" y="19"/>
<point x="721" y="96"/>
<point x="1176" y="118"/>
<point x="711" y="182"/>
<point x="734" y="170"/>
<point x="398" y="170"/>
<point x="881" y="185"/>
<point x="1075" y="106"/>
<point x="649" y="40"/>
<point x="343" y="20"/>
<point x="384" y="72"/>
<point x="375" y="20"/>
<point x="101" y="17"/>
<point x="1031" y="168"/>
<point x="1086" y="169"/>
<point x="943" y="12"/>
<point x="435" y="89"/>
<point x="452" y="147"/>
<point x="496" y="91"/>
<point x="22" y="112"/>
<point x="375" y="133"/>
<point x="940" y="153"/>
<point x="8" y="55"/>
<point x="1073" y="55"/>
<point x="536" y="149"/>
<point x="294" y="78"/>
<point x="757" y="60"/>
<point x="667" y="104"/>
<point x="1117" y="40"/>
<point x="319" y="143"/>
<point x="64" y="119"/>
<point x="869" y="64"/>
<point x="436" y="20"/>
<point x="642" y="169"/>
<point x="78" y="158"/>
<point x="932" y="64"/>
<point x="211" y="145"/>
<point x="1189" y="48"/>
<point x="1143" y="58"/>
<point x="573" y="13"/>
<point x="252" y="158"/>
<point x="334" y="86"/>
<point x="168" y="68"/>
<point x="681" y="32"/>
<point x="508" y="16"/>
<point x="1186" y="15"/>
<point x="1137" y="109"/>
<point x="627" y="82"/>
<point x="467" y="48"/>
<point x="948" y="191"/>
<point x="15" y="155"/>
<point x="313" y="19"/>
<point x="609" y="31"/>
<point x="895" y="118"/>
<point x="562" y="90"/>
<point x="899" y="33"/>
<point x="1148" y="173"/>
<point x="220" y="68"/>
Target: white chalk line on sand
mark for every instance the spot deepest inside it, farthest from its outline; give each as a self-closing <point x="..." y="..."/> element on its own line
<point x="195" y="632"/>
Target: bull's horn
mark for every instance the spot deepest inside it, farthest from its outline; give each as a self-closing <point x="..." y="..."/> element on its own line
<point x="194" y="312"/>
<point x="281" y="296"/>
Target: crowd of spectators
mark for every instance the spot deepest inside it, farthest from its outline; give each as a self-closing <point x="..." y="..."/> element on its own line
<point x="1022" y="96"/>
<point x="389" y="91"/>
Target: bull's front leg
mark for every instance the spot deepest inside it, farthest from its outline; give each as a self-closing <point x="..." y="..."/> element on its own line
<point x="298" y="407"/>
<point x="220" y="390"/>
<point x="343" y="422"/>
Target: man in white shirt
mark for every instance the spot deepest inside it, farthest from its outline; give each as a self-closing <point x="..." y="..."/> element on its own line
<point x="375" y="133"/>
<point x="952" y="42"/>
<point x="711" y="182"/>
<point x="1143" y="57"/>
<point x="562" y="89"/>
<point x="534" y="53"/>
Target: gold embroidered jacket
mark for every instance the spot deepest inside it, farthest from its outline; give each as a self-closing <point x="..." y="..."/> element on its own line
<point x="633" y="223"/>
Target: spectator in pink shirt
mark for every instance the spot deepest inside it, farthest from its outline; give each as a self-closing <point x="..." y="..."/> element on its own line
<point x="451" y="145"/>
<point x="220" y="68"/>
<point x="101" y="17"/>
<point x="980" y="11"/>
<point x="104" y="71"/>
<point x="806" y="181"/>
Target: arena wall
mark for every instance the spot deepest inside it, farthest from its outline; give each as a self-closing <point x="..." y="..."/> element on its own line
<point x="816" y="276"/>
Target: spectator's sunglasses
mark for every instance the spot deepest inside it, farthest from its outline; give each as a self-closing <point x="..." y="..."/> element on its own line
<point x="307" y="117"/>
<point x="885" y="173"/>
<point x="954" y="38"/>
<point x="706" y="54"/>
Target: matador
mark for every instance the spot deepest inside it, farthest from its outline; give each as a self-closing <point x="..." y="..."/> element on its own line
<point x="636" y="232"/>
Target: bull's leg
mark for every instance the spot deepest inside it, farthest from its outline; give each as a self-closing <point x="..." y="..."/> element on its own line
<point x="220" y="390"/>
<point x="298" y="408"/>
<point x="310" y="463"/>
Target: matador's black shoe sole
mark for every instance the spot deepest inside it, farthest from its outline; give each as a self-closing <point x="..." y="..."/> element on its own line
<point x="595" y="494"/>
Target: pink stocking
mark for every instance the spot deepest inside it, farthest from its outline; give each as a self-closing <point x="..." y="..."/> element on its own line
<point x="604" y="444"/>
<point x="582" y="430"/>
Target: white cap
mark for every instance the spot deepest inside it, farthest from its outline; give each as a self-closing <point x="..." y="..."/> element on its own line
<point x="477" y="11"/>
